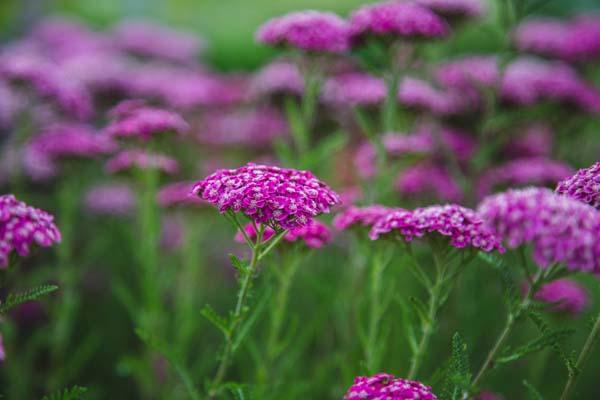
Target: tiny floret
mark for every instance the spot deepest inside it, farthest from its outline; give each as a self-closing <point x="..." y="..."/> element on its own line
<point x="584" y="186"/>
<point x="387" y="387"/>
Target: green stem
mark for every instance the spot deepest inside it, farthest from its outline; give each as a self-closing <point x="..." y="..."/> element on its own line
<point x="236" y="317"/>
<point x="376" y="310"/>
<point x="581" y="360"/>
<point x="388" y="123"/>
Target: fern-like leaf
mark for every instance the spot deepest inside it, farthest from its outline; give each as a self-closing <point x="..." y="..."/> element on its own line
<point x="14" y="299"/>
<point x="74" y="393"/>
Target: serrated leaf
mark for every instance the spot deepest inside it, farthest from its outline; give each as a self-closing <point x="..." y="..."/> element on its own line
<point x="532" y="392"/>
<point x="217" y="320"/>
<point x="568" y="359"/>
<point x="240" y="265"/>
<point x="14" y="299"/>
<point x="74" y="393"/>
<point x="457" y="378"/>
<point x="546" y="340"/>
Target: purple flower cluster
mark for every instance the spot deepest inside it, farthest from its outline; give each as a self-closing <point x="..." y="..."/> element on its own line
<point x="468" y="73"/>
<point x="278" y="197"/>
<point x="314" y="235"/>
<point x="455" y="9"/>
<point x="146" y="38"/>
<point x="419" y="94"/>
<point x="253" y="127"/>
<point x="426" y="179"/>
<point x="306" y="30"/>
<point x="567" y="295"/>
<point x="387" y="387"/>
<point x="559" y="229"/>
<point x="22" y="226"/>
<point x="584" y="186"/>
<point x="461" y="225"/>
<point x="136" y="158"/>
<point x="359" y="216"/>
<point x="131" y="119"/>
<point x="63" y="141"/>
<point x="527" y="81"/>
<point x="277" y="78"/>
<point x="531" y="141"/>
<point x="110" y="199"/>
<point x="574" y="40"/>
<point x="395" y="18"/>
<point x="178" y="193"/>
<point x="354" y="89"/>
<point x="522" y="172"/>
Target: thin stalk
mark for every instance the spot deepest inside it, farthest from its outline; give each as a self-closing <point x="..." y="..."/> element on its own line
<point x="236" y="317"/>
<point x="389" y="115"/>
<point x="376" y="310"/>
<point x="581" y="360"/>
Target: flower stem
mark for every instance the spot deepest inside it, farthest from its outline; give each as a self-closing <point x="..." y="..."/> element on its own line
<point x="376" y="310"/>
<point x="581" y="360"/>
<point x="236" y="317"/>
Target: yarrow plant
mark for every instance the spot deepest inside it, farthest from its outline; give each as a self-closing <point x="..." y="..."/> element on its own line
<point x="285" y="200"/>
<point x="386" y="386"/>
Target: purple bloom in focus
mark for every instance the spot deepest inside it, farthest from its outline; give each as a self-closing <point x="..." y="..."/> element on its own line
<point x="63" y="141"/>
<point x="147" y="38"/>
<point x="278" y="197"/>
<point x="584" y="186"/>
<point x="566" y="294"/>
<point x="428" y="179"/>
<point x="461" y="225"/>
<point x="522" y="172"/>
<point x="387" y="387"/>
<point x="395" y="19"/>
<point x="361" y="216"/>
<point x="306" y="30"/>
<point x="22" y="226"/>
<point x="110" y="199"/>
<point x="253" y="127"/>
<point x="136" y="158"/>
<point x="178" y="193"/>
<point x="354" y="89"/>
<point x="280" y="77"/>
<point x="559" y="229"/>
<point x="455" y="9"/>
<point x="314" y="235"/>
<point x="132" y="120"/>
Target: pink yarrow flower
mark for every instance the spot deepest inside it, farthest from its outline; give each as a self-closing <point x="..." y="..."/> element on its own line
<point x="468" y="73"/>
<point x="395" y="19"/>
<point x="558" y="228"/>
<point x="583" y="186"/>
<point x="363" y="217"/>
<point x="566" y="295"/>
<point x="354" y="89"/>
<point x="23" y="226"/>
<point x="545" y="36"/>
<point x="385" y="386"/>
<point x="277" y="78"/>
<point x="314" y="235"/>
<point x="534" y="140"/>
<point x="419" y="94"/>
<point x="136" y="158"/>
<point x="278" y="197"/>
<point x="312" y="31"/>
<point x="133" y="120"/>
<point x="455" y="9"/>
<point x="428" y="179"/>
<point x="110" y="199"/>
<point x="463" y="227"/>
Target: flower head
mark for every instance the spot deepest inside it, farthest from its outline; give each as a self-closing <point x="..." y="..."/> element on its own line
<point x="521" y="172"/>
<point x="279" y="77"/>
<point x="461" y="225"/>
<point x="359" y="216"/>
<point x="388" y="387"/>
<point x="133" y="120"/>
<point x="354" y="89"/>
<point x="280" y="197"/>
<point x="427" y="179"/>
<point x="110" y="199"/>
<point x="146" y="38"/>
<point x="584" y="186"/>
<point x="469" y="72"/>
<point x="178" y="193"/>
<point x="455" y="9"/>
<point x="395" y="19"/>
<point x="306" y="30"/>
<point x="566" y="295"/>
<point x="543" y="36"/>
<point x="22" y="226"/>
<point x="419" y="94"/>
<point x="314" y="235"/>
<point x="559" y="229"/>
<point x="136" y="158"/>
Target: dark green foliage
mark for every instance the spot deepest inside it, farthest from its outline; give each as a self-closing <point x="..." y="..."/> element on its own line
<point x="74" y="393"/>
<point x="14" y="299"/>
<point x="458" y="372"/>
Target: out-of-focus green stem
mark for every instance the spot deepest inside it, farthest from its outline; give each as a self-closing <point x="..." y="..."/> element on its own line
<point x="581" y="360"/>
<point x="376" y="311"/>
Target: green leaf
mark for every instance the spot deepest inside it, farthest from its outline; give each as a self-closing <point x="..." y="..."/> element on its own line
<point x="568" y="359"/>
<point x="239" y="392"/>
<point x="218" y="321"/>
<point x="420" y="309"/>
<point x="74" y="393"/>
<point x="532" y="392"/>
<point x="408" y="325"/>
<point x="546" y="340"/>
<point x="458" y="374"/>
<point x="240" y="265"/>
<point x="13" y="300"/>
